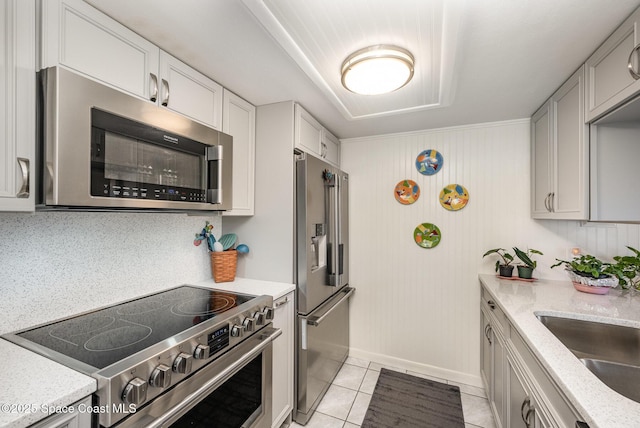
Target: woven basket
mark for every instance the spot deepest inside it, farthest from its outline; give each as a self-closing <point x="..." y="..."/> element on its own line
<point x="223" y="265"/>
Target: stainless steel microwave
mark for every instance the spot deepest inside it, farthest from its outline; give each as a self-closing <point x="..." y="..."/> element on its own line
<point x="101" y="149"/>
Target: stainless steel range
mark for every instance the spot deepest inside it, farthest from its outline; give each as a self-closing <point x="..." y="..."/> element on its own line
<point x="188" y="356"/>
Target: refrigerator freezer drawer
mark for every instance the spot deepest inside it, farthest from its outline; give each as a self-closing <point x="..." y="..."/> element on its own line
<point x="323" y="346"/>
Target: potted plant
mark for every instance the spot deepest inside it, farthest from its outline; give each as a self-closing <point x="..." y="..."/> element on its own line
<point x="590" y="274"/>
<point x="627" y="269"/>
<point x="525" y="271"/>
<point x="503" y="266"/>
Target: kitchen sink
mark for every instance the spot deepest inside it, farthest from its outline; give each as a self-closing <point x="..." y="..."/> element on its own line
<point x="611" y="352"/>
<point x="622" y="378"/>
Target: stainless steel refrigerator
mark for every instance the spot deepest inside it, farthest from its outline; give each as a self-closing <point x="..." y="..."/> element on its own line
<point x="322" y="278"/>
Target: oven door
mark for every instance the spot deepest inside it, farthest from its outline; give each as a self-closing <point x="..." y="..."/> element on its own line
<point x="233" y="391"/>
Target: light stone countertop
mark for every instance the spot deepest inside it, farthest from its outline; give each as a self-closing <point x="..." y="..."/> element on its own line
<point x="30" y="379"/>
<point x="32" y="384"/>
<point x="600" y="406"/>
<point x="251" y="286"/>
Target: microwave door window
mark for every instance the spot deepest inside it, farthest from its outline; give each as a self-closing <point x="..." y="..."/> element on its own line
<point x="135" y="168"/>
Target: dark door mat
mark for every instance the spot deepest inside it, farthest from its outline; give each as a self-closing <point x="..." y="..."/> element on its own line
<point x="402" y="400"/>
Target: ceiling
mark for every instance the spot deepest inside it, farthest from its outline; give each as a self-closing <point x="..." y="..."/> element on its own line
<point x="476" y="61"/>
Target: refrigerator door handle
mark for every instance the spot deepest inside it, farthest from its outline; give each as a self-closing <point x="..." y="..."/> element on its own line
<point x="315" y="321"/>
<point x="336" y="248"/>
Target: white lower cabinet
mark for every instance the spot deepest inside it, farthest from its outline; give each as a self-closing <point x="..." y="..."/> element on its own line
<point x="17" y="109"/>
<point x="80" y="418"/>
<point x="521" y="393"/>
<point x="283" y="360"/>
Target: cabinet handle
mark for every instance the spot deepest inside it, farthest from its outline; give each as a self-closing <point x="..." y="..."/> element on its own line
<point x="165" y="85"/>
<point x="525" y="403"/>
<point x="25" y="172"/>
<point x="531" y="412"/>
<point x="491" y="304"/>
<point x="546" y="202"/>
<point x="283" y="302"/>
<point x="632" y="71"/>
<point x="487" y="333"/>
<point x="552" y="202"/>
<point x="323" y="150"/>
<point x="153" y="87"/>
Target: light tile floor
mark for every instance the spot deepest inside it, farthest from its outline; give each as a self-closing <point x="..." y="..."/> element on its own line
<point x="347" y="399"/>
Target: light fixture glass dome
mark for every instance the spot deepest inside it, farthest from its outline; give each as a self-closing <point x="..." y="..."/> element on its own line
<point x="377" y="70"/>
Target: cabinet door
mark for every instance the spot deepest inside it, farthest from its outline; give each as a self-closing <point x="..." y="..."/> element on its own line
<point x="570" y="191"/>
<point x="541" y="164"/>
<point x="82" y="38"/>
<point x="520" y="402"/>
<point x="186" y="91"/>
<point x="17" y="110"/>
<point x="283" y="360"/>
<point x="239" y="120"/>
<point x="609" y="82"/>
<point x="76" y="419"/>
<point x="485" y="354"/>
<point x="330" y="148"/>
<point x="497" y="382"/>
<point x="308" y="132"/>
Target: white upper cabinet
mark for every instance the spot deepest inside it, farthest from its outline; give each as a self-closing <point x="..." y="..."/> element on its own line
<point x="330" y="148"/>
<point x="308" y="132"/>
<point x="239" y="121"/>
<point x="311" y="137"/>
<point x="80" y="37"/>
<point x="613" y="71"/>
<point x="560" y="155"/>
<point x="185" y="90"/>
<point x="17" y="109"/>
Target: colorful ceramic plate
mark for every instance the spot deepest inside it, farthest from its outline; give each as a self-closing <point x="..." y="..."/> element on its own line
<point x="429" y="162"/>
<point x="407" y="192"/>
<point x="427" y="235"/>
<point x="454" y="197"/>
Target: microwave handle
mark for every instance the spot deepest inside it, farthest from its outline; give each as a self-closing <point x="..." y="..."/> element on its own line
<point x="214" y="174"/>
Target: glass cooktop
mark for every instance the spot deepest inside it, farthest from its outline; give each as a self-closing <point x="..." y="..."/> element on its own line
<point x="106" y="336"/>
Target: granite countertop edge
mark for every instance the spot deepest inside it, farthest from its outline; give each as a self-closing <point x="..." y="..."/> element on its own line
<point x="600" y="406"/>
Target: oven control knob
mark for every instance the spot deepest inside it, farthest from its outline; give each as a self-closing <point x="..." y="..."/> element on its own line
<point x="182" y="363"/>
<point x="259" y="317"/>
<point x="160" y="376"/>
<point x="237" y="331"/>
<point x="135" y="392"/>
<point x="268" y="313"/>
<point x="201" y="352"/>
<point x="249" y="324"/>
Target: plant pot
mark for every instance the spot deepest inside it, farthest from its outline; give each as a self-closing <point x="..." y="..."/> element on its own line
<point x="591" y="285"/>
<point x="525" y="272"/>
<point x="506" y="271"/>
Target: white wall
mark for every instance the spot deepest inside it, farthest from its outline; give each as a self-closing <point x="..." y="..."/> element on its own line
<point x="419" y="308"/>
<point x="55" y="264"/>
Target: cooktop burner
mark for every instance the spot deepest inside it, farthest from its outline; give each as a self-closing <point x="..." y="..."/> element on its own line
<point x="106" y="336"/>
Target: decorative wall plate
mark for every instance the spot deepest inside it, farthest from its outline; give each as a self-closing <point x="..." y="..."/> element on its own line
<point x="429" y="162"/>
<point x="427" y="235"/>
<point x="454" y="197"/>
<point x="407" y="192"/>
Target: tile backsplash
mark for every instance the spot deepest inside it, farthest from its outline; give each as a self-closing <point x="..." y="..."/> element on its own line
<point x="58" y="263"/>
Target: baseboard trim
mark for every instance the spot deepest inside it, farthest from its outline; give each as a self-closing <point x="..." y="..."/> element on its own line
<point x="421" y="368"/>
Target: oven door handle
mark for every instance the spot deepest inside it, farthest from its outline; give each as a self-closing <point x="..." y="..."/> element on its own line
<point x="168" y="417"/>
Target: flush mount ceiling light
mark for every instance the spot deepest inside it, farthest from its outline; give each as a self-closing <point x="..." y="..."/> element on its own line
<point x="377" y="70"/>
